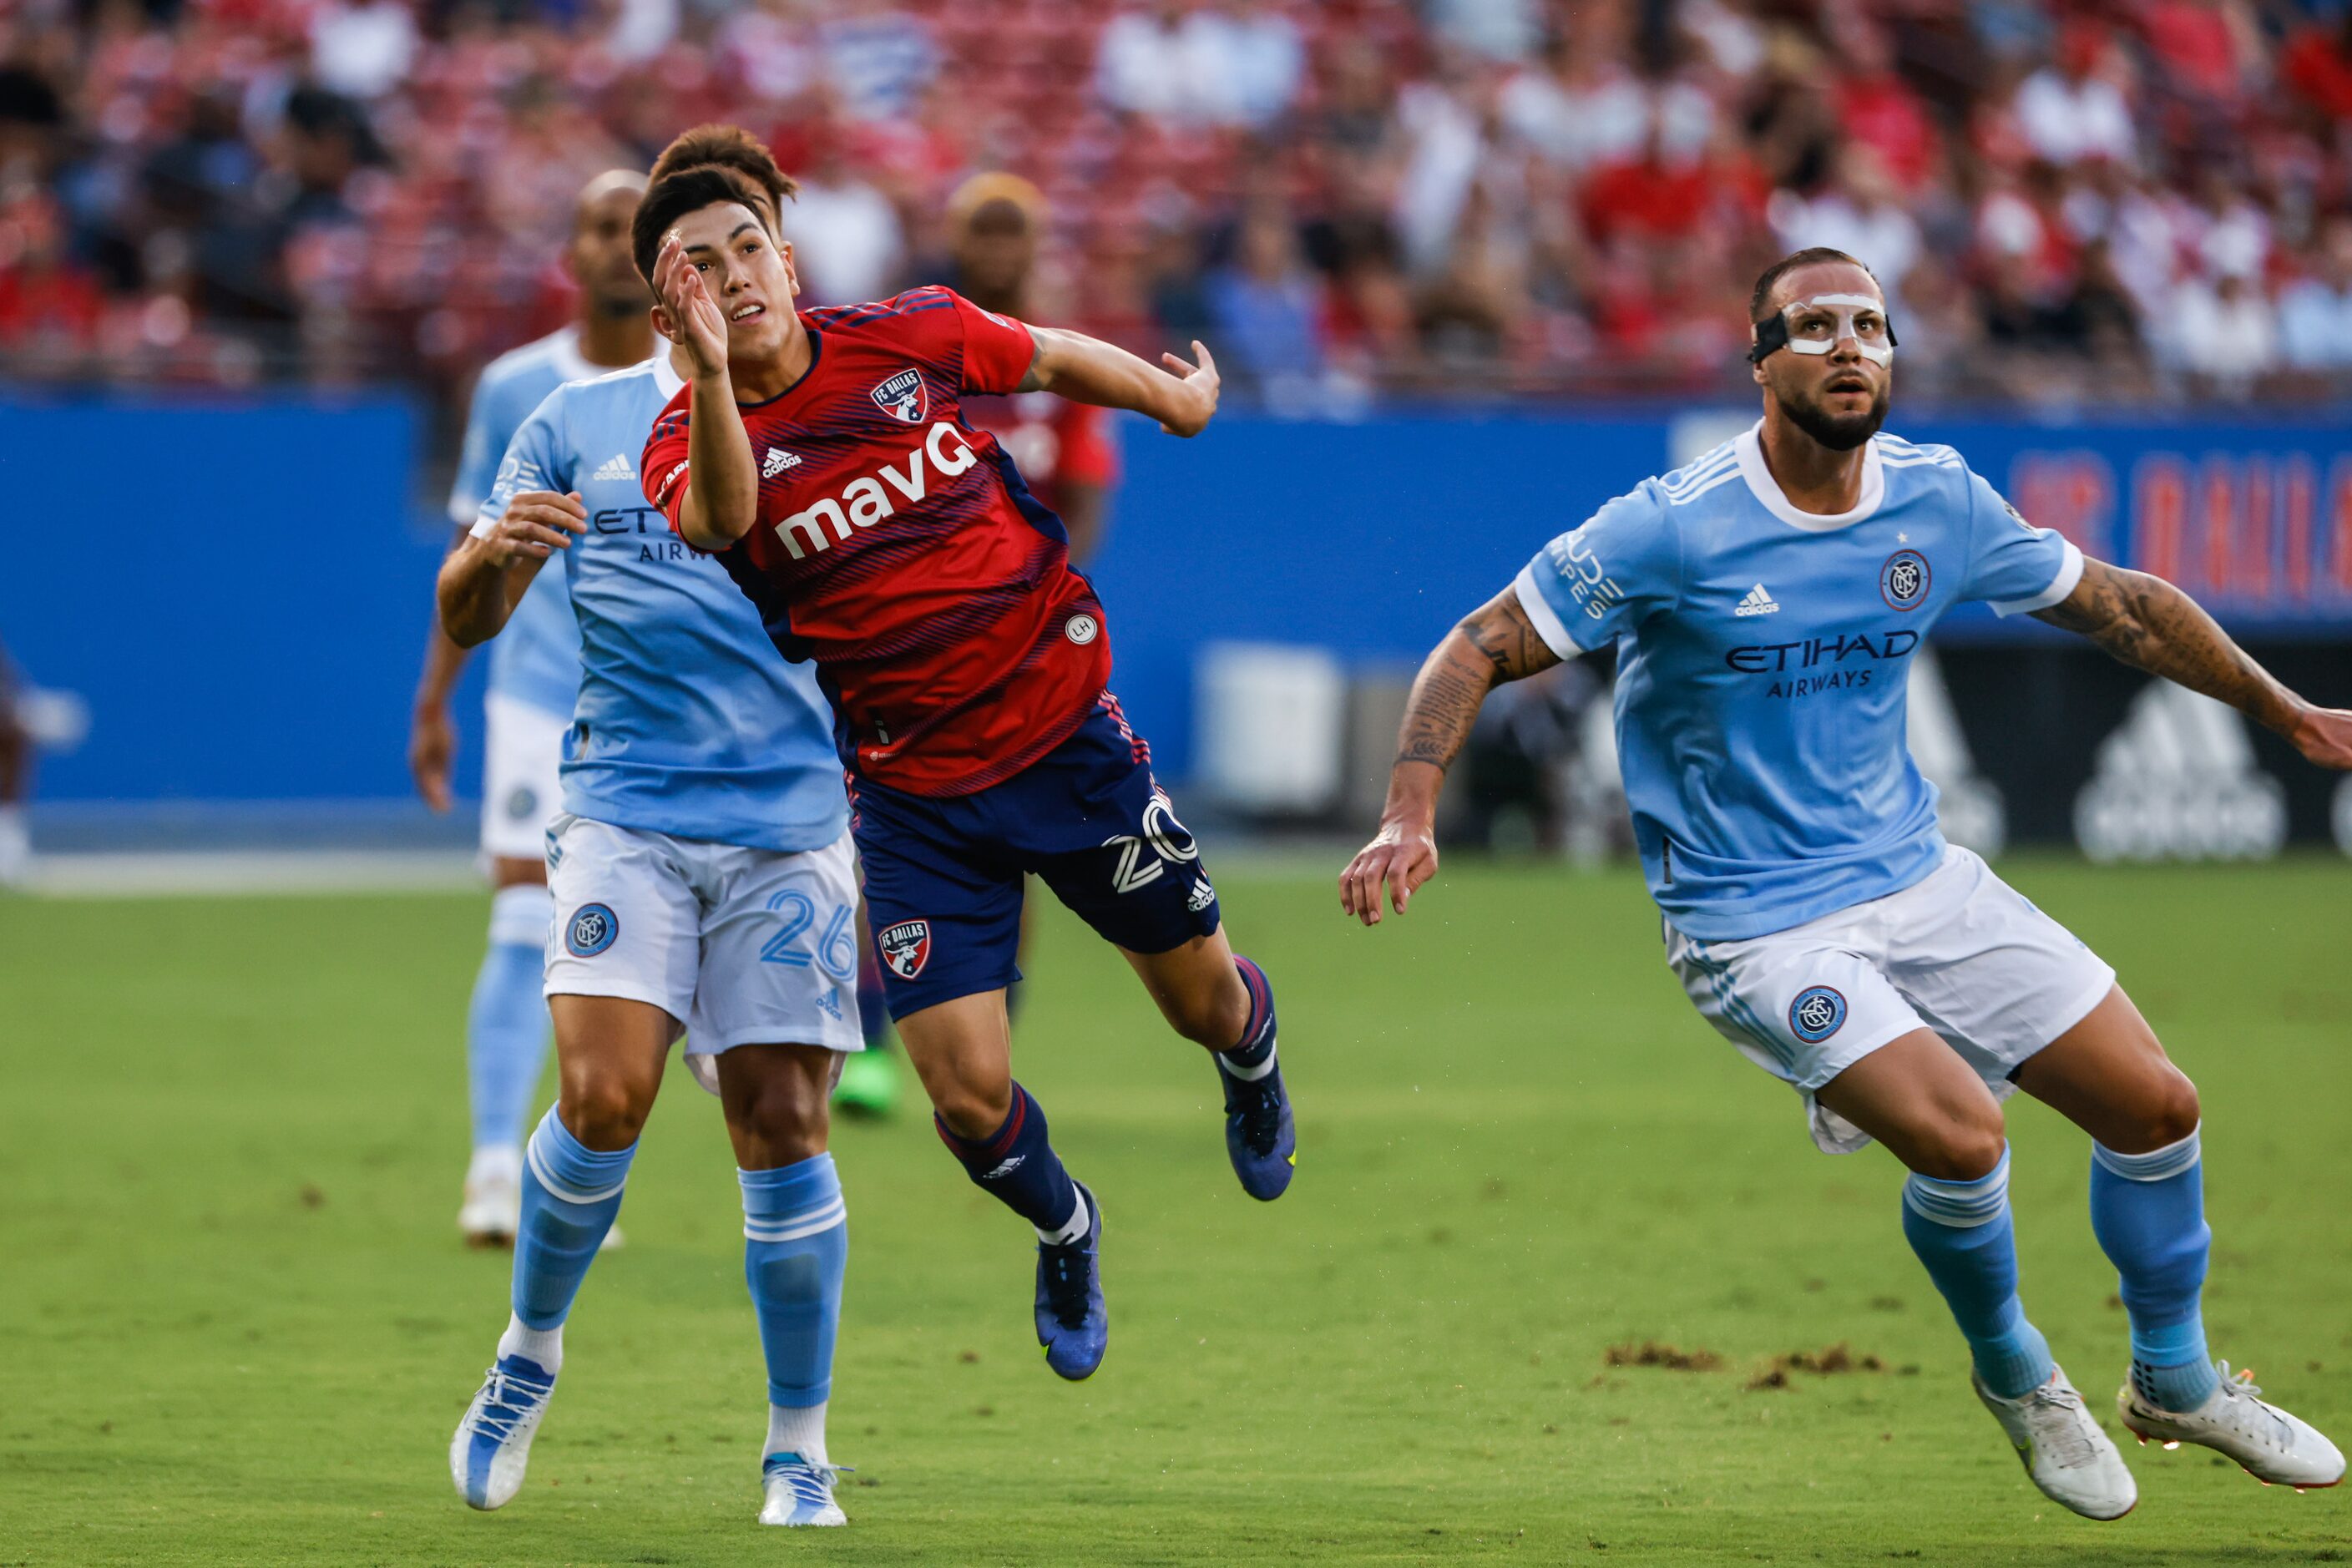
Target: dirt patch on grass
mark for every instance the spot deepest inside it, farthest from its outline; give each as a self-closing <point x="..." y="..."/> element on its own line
<point x="1825" y="1363"/>
<point x="1651" y="1353"/>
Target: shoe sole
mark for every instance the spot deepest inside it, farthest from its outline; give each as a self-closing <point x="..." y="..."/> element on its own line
<point x="2168" y="1444"/>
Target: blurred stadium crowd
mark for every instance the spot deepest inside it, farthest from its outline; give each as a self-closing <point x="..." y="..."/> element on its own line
<point x="2114" y="201"/>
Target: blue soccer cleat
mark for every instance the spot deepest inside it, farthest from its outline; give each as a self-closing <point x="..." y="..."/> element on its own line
<point x="1073" y="1324"/>
<point x="798" y="1492"/>
<point x="1259" y="1134"/>
<point x="493" y="1442"/>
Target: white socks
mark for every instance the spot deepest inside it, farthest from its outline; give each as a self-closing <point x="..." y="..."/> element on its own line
<point x="797" y="1430"/>
<point x="1075" y="1228"/>
<point x="544" y="1346"/>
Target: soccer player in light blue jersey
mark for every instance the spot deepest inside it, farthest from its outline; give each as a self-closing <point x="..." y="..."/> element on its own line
<point x="1764" y="603"/>
<point x="534" y="675"/>
<point x="703" y="882"/>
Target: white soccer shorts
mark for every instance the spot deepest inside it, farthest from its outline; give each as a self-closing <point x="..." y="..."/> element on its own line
<point x="522" y="787"/>
<point x="743" y="946"/>
<point x="1960" y="952"/>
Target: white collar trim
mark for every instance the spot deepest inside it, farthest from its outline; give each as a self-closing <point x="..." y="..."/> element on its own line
<point x="665" y="375"/>
<point x="1749" y="444"/>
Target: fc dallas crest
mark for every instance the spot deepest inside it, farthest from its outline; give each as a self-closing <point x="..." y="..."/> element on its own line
<point x="901" y="396"/>
<point x="905" y="947"/>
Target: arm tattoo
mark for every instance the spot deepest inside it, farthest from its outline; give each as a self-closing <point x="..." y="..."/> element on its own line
<point x="2150" y="625"/>
<point x="1496" y="644"/>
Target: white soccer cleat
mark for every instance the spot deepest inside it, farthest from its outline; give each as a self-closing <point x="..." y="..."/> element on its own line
<point x="2276" y="1448"/>
<point x="488" y="1455"/>
<point x="2065" y="1452"/>
<point x="798" y="1493"/>
<point x="492" y="1211"/>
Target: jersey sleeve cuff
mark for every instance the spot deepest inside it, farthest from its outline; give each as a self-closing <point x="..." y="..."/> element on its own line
<point x="2070" y="572"/>
<point x="1541" y="615"/>
<point x="483" y="526"/>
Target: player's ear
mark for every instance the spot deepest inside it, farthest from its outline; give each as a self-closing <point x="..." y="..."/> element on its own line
<point x="664" y="322"/>
<point x="792" y="265"/>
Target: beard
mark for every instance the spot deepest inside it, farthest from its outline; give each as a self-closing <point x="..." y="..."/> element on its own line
<point x="1838" y="432"/>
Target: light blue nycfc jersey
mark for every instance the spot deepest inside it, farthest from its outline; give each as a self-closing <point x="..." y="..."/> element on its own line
<point x="537" y="658"/>
<point x="1763" y="654"/>
<point x="690" y="722"/>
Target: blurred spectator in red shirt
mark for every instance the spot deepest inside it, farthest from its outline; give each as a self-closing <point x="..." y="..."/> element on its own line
<point x="2318" y="63"/>
<point x="49" y="308"/>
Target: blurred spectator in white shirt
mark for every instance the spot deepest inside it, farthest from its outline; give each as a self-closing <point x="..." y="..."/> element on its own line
<point x="2072" y="110"/>
<point x="1498" y="29"/>
<point x="365" y="50"/>
<point x="1219" y="65"/>
<point x="847" y="239"/>
<point x="1577" y="110"/>
<point x="642" y="30"/>
<point x="769" y="45"/>
<point x="2315" y="315"/>
<point x="1858" y="215"/>
<point x="877" y="60"/>
<point x="2223" y="330"/>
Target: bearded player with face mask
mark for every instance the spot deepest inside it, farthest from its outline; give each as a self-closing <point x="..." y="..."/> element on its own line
<point x="1764" y="603"/>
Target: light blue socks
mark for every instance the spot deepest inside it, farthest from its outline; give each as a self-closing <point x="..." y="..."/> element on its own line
<point x="506" y="1026"/>
<point x="571" y="1194"/>
<point x="795" y="1247"/>
<point x="2148" y="1212"/>
<point x="1961" y="1231"/>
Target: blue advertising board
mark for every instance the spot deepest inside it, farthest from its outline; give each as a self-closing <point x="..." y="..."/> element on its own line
<point x="239" y="589"/>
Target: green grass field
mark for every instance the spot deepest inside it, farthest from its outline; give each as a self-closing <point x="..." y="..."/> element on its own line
<point x="236" y="1326"/>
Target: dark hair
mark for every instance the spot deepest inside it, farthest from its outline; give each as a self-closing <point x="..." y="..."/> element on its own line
<point x="731" y="147"/>
<point x="1790" y="263"/>
<point x="674" y="195"/>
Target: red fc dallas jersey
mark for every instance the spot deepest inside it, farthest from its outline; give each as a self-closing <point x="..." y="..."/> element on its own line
<point x="899" y="548"/>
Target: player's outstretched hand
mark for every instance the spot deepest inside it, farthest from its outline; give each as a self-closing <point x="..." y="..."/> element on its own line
<point x="432" y="748"/>
<point x="1400" y="859"/>
<point x="685" y="312"/>
<point x="536" y="524"/>
<point x="1195" y="400"/>
<point x="2324" y="736"/>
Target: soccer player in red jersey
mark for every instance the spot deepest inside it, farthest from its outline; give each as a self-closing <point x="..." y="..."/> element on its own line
<point x="824" y="456"/>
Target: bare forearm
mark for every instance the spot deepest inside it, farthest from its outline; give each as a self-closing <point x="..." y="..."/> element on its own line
<point x="1496" y="644"/>
<point x="722" y="496"/>
<point x="2150" y="625"/>
<point x="474" y="599"/>
<point x="444" y="661"/>
<point x="1087" y="369"/>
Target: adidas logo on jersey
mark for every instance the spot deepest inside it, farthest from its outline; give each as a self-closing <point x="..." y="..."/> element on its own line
<point x="1758" y="603"/>
<point x="616" y="466"/>
<point x="776" y="462"/>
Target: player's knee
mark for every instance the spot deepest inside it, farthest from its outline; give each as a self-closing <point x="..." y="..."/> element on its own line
<point x="972" y="1109"/>
<point x="1963" y="1149"/>
<point x="605" y="1111"/>
<point x="783" y="1117"/>
<point x="2172" y="1113"/>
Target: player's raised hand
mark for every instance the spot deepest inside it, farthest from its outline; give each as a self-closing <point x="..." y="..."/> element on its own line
<point x="684" y="312"/>
<point x="1399" y="859"/>
<point x="1195" y="401"/>
<point x="535" y="525"/>
<point x="2324" y="736"/>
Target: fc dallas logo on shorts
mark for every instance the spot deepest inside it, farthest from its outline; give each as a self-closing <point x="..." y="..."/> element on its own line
<point x="901" y="396"/>
<point x="905" y="947"/>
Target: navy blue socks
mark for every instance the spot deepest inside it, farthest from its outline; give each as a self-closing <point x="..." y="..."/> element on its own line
<point x="1248" y="1060"/>
<point x="1018" y="1167"/>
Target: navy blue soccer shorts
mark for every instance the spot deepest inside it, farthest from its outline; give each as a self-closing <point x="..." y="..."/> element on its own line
<point x="944" y="875"/>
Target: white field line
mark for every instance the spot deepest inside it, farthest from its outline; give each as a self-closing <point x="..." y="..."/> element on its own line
<point x="214" y="873"/>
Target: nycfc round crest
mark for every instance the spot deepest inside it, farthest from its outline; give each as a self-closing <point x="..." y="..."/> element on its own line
<point x="1903" y="581"/>
<point x="592" y="930"/>
<point x="1816" y="1013"/>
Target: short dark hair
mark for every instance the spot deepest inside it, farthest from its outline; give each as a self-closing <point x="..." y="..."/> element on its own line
<point x="674" y="195"/>
<point x="1790" y="263"/>
<point x="731" y="147"/>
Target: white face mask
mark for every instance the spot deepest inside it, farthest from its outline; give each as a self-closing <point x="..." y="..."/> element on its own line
<point x="1818" y="325"/>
